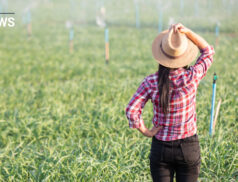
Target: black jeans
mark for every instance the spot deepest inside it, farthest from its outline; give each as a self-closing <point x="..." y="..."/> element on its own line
<point x="180" y="157"/>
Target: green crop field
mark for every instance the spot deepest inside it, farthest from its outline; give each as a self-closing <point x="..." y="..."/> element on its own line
<point x="62" y="116"/>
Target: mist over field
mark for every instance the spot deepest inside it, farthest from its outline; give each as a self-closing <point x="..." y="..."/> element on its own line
<point x="62" y="107"/>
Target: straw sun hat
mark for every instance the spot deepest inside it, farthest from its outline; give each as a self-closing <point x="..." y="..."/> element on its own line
<point x="173" y="49"/>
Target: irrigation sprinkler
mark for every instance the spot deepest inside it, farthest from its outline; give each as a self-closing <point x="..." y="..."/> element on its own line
<point x="160" y="23"/>
<point x="107" y="45"/>
<point x="0" y="9"/>
<point x="69" y="26"/>
<point x="217" y="33"/>
<point x="209" y="4"/>
<point x="3" y="6"/>
<point x="6" y="5"/>
<point x="28" y="22"/>
<point x="216" y="115"/>
<point x="72" y="4"/>
<point x="231" y="6"/>
<point x="213" y="103"/>
<point x="27" y="17"/>
<point x="196" y="7"/>
<point x="71" y="40"/>
<point x="72" y="7"/>
<point x="137" y="14"/>
<point x="181" y="6"/>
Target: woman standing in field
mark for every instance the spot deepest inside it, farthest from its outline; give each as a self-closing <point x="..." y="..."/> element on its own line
<point x="172" y="89"/>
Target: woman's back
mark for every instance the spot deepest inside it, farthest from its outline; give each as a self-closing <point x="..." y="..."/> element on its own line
<point x="180" y="120"/>
<point x="175" y="146"/>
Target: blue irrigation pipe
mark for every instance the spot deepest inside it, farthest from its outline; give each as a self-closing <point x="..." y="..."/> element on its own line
<point x="107" y="45"/>
<point x="71" y="34"/>
<point x="160" y="26"/>
<point x="181" y="6"/>
<point x="72" y="6"/>
<point x="196" y="7"/>
<point x="217" y="30"/>
<point x="0" y="9"/>
<point x="106" y="35"/>
<point x="137" y="15"/>
<point x="3" y="6"/>
<point x="28" y="17"/>
<point x="209" y="4"/>
<point x="6" y="5"/>
<point x="213" y="103"/>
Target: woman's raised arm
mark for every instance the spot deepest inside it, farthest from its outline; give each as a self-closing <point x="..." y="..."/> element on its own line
<point x="195" y="38"/>
<point x="204" y="62"/>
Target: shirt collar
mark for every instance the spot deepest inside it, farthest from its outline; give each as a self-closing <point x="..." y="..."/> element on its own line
<point x="176" y="72"/>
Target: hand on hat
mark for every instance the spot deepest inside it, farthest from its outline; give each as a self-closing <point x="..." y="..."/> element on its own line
<point x="179" y="27"/>
<point x="195" y="38"/>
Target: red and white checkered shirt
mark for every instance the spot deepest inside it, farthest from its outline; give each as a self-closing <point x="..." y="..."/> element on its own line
<point x="180" y="121"/>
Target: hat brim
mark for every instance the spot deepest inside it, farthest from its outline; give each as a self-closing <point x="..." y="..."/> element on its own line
<point x="184" y="60"/>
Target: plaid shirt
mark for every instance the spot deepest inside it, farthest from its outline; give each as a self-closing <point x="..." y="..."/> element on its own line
<point x="180" y="121"/>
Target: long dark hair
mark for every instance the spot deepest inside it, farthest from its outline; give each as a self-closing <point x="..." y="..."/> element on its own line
<point x="163" y="86"/>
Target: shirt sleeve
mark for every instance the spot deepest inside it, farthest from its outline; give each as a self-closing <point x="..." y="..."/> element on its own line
<point x="202" y="64"/>
<point x="136" y="104"/>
